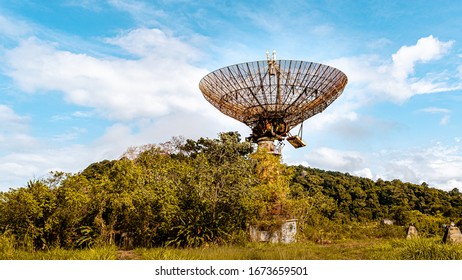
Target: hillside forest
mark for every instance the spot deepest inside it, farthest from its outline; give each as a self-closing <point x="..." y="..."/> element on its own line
<point x="189" y="193"/>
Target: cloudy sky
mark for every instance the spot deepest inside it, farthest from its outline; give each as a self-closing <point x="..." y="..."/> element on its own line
<point x="83" y="80"/>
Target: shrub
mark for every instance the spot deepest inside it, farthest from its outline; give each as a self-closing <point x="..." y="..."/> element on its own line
<point x="427" y="249"/>
<point x="6" y="246"/>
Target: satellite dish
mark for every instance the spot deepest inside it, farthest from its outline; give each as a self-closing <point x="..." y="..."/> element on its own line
<point x="273" y="96"/>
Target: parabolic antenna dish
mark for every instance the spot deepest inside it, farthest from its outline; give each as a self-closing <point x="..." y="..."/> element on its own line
<point x="273" y="96"/>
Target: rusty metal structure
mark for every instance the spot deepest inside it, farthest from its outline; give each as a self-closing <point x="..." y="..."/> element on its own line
<point x="273" y="96"/>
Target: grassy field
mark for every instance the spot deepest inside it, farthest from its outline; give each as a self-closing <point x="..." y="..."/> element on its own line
<point x="106" y="253"/>
<point x="264" y="251"/>
<point x="379" y="249"/>
<point x="417" y="249"/>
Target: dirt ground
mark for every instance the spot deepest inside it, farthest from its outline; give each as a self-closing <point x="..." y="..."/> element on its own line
<point x="127" y="255"/>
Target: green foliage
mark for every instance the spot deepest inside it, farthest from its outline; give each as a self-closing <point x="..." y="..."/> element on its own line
<point x="27" y="212"/>
<point x="7" y="243"/>
<point x="188" y="193"/>
<point x="338" y="199"/>
<point x="426" y="249"/>
<point x="87" y="239"/>
<point x="350" y="250"/>
<point x="271" y="196"/>
<point x="100" y="253"/>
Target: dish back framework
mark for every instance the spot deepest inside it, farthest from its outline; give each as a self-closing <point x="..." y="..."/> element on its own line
<point x="273" y="96"/>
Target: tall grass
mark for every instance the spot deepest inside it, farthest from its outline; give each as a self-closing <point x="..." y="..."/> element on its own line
<point x="361" y="249"/>
<point x="11" y="249"/>
<point x="380" y="249"/>
<point x="264" y="251"/>
<point x="104" y="253"/>
<point x="8" y="251"/>
<point x="426" y="249"/>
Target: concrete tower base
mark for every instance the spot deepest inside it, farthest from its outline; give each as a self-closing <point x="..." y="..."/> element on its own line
<point x="269" y="146"/>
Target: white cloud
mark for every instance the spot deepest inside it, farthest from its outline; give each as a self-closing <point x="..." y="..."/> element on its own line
<point x="437" y="165"/>
<point x="13" y="131"/>
<point x="13" y="172"/>
<point x="445" y="120"/>
<point x="436" y="110"/>
<point x="379" y="43"/>
<point x="365" y="172"/>
<point x="92" y="5"/>
<point x="372" y="79"/>
<point x="155" y="96"/>
<point x="140" y="11"/>
<point x="12" y="28"/>
<point x="70" y="134"/>
<point x="340" y="111"/>
<point x="82" y="114"/>
<point x="331" y="159"/>
<point x="155" y="43"/>
<point x="426" y="49"/>
<point x="453" y="183"/>
<point x="445" y="112"/>
<point x="158" y="83"/>
<point x="10" y="119"/>
<point x="19" y="166"/>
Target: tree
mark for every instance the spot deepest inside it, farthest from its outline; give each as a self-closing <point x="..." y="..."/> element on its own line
<point x="272" y="193"/>
<point x="28" y="213"/>
<point x="72" y="209"/>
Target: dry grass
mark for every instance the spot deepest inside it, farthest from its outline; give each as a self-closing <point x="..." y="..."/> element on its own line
<point x="356" y="250"/>
<point x="376" y="249"/>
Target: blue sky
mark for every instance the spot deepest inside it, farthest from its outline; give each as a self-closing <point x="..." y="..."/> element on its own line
<point x="82" y="81"/>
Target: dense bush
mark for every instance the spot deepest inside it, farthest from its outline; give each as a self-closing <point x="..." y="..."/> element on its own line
<point x="190" y="193"/>
<point x="426" y="249"/>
